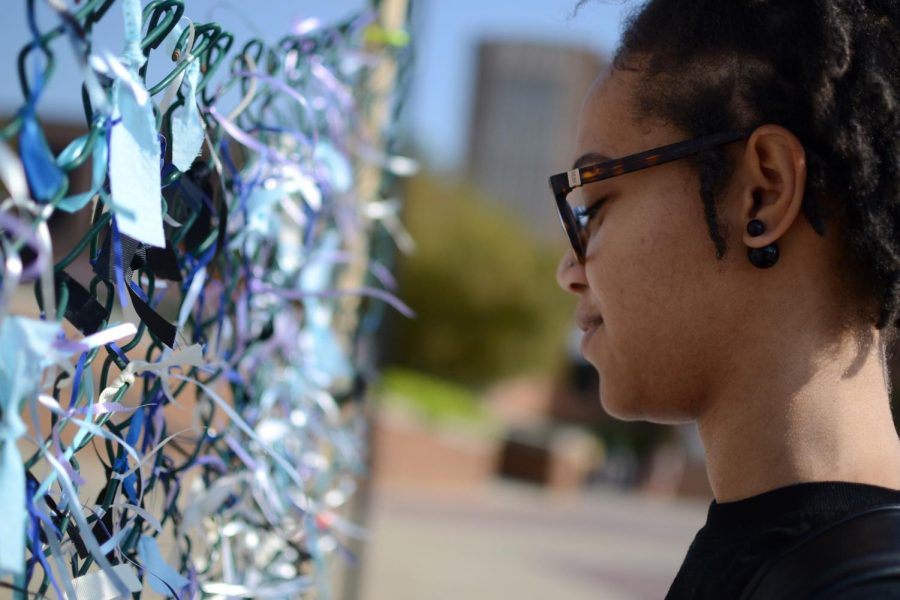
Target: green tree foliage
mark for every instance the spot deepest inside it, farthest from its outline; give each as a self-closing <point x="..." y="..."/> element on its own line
<point x="483" y="287"/>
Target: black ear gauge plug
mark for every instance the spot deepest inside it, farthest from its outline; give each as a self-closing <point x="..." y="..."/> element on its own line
<point x="765" y="257"/>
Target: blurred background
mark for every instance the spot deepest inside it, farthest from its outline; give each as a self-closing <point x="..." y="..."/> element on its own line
<point x="495" y="471"/>
<point x="491" y="449"/>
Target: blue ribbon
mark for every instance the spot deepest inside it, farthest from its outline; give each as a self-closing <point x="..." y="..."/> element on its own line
<point x="34" y="534"/>
<point x="44" y="176"/>
<point x="135" y="425"/>
<point x="76" y="381"/>
<point x="117" y="262"/>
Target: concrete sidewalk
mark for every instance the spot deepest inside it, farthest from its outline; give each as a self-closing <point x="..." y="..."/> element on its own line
<point x="518" y="542"/>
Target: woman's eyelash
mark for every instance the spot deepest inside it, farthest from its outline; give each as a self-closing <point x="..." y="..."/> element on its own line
<point x="595" y="208"/>
<point x="586" y="214"/>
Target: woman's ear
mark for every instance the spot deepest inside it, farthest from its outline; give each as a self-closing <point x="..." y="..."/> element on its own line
<point x="773" y="183"/>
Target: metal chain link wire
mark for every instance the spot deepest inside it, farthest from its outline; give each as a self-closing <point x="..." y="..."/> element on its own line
<point x="246" y="500"/>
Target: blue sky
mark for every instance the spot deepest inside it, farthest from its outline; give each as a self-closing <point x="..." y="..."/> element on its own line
<point x="447" y="35"/>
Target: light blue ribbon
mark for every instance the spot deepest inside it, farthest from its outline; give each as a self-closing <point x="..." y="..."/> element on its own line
<point x="25" y="350"/>
<point x="160" y="575"/>
<point x="187" y="125"/>
<point x="134" y="153"/>
<point x="133" y="16"/>
<point x="327" y="363"/>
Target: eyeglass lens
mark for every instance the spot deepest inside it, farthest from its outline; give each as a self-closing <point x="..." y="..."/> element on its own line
<point x="573" y="221"/>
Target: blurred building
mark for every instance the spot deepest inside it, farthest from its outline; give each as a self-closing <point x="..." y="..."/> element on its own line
<point x="525" y="115"/>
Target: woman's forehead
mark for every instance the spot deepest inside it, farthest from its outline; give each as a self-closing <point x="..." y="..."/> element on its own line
<point x="609" y="123"/>
<point x="606" y="118"/>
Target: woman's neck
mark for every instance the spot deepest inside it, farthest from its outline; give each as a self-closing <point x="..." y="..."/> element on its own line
<point x="775" y="425"/>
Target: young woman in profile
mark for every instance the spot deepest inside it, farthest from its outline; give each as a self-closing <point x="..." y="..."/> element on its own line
<point x="734" y="215"/>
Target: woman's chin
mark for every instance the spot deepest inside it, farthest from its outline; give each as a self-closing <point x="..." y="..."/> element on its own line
<point x="629" y="408"/>
<point x="620" y="407"/>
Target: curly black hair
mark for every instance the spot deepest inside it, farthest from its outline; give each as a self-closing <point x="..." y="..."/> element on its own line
<point x="828" y="70"/>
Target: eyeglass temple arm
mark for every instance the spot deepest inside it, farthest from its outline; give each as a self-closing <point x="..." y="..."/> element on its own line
<point x="563" y="183"/>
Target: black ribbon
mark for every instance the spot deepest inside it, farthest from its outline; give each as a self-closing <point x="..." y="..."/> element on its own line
<point x="194" y="193"/>
<point x="82" y="310"/>
<point x="56" y="516"/>
<point x="136" y="255"/>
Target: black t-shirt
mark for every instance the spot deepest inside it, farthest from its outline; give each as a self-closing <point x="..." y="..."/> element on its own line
<point x="741" y="536"/>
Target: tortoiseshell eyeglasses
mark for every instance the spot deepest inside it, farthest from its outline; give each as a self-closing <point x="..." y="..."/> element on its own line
<point x="575" y="219"/>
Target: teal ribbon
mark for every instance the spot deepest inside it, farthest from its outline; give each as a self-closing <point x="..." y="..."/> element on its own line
<point x="99" y="163"/>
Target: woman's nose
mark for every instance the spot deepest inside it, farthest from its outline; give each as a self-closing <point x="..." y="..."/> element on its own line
<point x="570" y="274"/>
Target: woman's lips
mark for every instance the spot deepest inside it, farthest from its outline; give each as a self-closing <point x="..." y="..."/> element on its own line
<point x="588" y="324"/>
<point x="586" y="321"/>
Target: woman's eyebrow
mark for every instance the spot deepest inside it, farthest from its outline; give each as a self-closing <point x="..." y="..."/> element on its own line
<point x="589" y="158"/>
